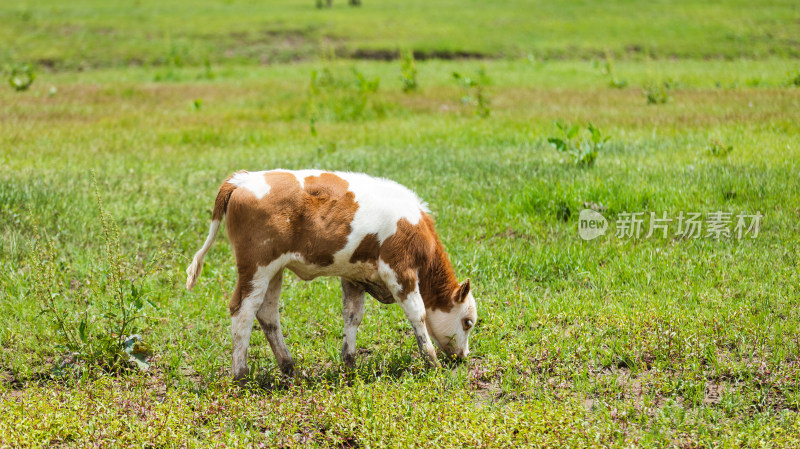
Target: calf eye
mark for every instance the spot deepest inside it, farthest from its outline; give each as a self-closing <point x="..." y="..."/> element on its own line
<point x="467" y="324"/>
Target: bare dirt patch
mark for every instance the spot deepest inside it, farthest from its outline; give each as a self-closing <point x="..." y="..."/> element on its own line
<point x="383" y="54"/>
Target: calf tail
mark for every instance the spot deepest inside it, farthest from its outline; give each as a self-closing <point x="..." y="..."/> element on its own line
<point x="220" y="207"/>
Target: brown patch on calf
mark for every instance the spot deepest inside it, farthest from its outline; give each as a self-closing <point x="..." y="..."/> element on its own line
<point x="416" y="255"/>
<point x="328" y="210"/>
<point x="368" y="250"/>
<point x="313" y="221"/>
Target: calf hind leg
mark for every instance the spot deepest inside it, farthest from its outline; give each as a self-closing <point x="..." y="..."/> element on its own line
<point x="246" y="300"/>
<point x="270" y="320"/>
<point x="353" y="313"/>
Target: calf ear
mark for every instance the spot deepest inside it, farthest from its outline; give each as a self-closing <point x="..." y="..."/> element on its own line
<point x="463" y="291"/>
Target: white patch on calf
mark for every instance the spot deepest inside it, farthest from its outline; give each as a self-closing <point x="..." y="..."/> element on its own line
<point x="252" y="181"/>
<point x="389" y="277"/>
<point x="265" y="273"/>
<point x="381" y="204"/>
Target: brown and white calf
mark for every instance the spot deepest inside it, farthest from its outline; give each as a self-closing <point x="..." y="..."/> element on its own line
<point x="374" y="234"/>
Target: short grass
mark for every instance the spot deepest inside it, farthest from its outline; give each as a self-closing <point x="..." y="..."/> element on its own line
<point x="613" y="342"/>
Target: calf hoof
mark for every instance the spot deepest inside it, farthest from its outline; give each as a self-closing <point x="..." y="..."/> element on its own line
<point x="431" y="359"/>
<point x="349" y="361"/>
<point x="348" y="356"/>
<point x="431" y="362"/>
<point x="287" y="368"/>
<point x="240" y="378"/>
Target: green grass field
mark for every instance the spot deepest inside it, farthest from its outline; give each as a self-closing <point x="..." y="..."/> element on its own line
<point x="613" y="342"/>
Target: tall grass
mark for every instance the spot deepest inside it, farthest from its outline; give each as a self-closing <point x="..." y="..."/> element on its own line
<point x="97" y="318"/>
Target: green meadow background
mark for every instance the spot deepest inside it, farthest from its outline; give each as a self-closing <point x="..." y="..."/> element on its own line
<point x="139" y="109"/>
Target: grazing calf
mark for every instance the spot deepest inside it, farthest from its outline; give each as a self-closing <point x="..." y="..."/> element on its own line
<point x="374" y="234"/>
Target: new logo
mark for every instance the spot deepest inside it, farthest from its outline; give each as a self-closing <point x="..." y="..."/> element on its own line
<point x="591" y="224"/>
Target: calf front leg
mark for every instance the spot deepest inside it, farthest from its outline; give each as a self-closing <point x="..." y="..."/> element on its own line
<point x="270" y="320"/>
<point x="353" y="313"/>
<point x="414" y="308"/>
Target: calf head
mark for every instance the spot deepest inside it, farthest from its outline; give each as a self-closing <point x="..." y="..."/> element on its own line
<point x="450" y="329"/>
